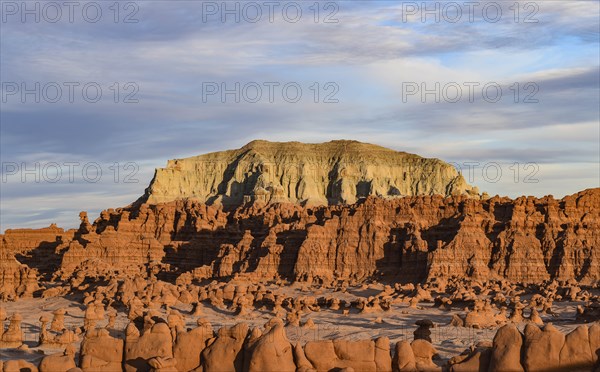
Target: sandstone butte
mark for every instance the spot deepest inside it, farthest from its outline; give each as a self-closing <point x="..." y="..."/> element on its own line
<point x="339" y="210"/>
<point x="336" y="172"/>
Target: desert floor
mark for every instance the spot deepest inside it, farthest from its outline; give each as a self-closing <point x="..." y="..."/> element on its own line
<point x="397" y="324"/>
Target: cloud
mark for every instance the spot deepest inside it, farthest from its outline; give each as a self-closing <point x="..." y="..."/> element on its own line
<point x="368" y="54"/>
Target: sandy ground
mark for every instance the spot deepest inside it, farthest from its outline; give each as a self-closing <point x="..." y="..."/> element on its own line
<point x="398" y="323"/>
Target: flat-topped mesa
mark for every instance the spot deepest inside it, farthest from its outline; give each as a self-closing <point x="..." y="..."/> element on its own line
<point x="336" y="172"/>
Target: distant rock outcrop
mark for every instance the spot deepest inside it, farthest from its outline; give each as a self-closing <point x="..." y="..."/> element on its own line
<point x="336" y="172"/>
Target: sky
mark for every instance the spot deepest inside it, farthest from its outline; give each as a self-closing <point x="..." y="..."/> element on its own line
<point x="96" y="95"/>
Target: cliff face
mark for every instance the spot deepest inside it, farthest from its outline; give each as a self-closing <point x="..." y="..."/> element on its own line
<point x="405" y="239"/>
<point x="27" y="253"/>
<point x="337" y="172"/>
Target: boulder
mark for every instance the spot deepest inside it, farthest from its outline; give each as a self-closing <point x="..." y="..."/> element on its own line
<point x="224" y="352"/>
<point x="328" y="354"/>
<point x="383" y="357"/>
<point x="424" y="352"/>
<point x="302" y="363"/>
<point x="61" y="362"/>
<point x="594" y="333"/>
<point x="506" y="352"/>
<point x="100" y="352"/>
<point x="19" y="365"/>
<point x="359" y="355"/>
<point x="189" y="346"/>
<point x="541" y="348"/>
<point x="155" y="342"/>
<point x="404" y="358"/>
<point x="272" y="352"/>
<point x="476" y="361"/>
<point x="576" y="352"/>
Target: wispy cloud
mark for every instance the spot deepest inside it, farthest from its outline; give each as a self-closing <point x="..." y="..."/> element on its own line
<point x="369" y="53"/>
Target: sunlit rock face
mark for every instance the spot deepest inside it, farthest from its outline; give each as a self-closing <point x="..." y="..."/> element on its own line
<point x="336" y="172"/>
<point x="407" y="239"/>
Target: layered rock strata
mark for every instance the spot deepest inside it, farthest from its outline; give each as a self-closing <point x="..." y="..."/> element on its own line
<point x="406" y="239"/>
<point x="336" y="172"/>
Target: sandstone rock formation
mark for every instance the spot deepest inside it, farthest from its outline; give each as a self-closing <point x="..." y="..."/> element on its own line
<point x="156" y="342"/>
<point x="544" y="349"/>
<point x="408" y="239"/>
<point x="338" y="354"/>
<point x="19" y="365"/>
<point x="311" y="174"/>
<point x="101" y="352"/>
<point x="272" y="351"/>
<point x="237" y="349"/>
<point x="12" y="336"/>
<point x="404" y="358"/>
<point x="225" y="353"/>
<point x="61" y="362"/>
<point x="506" y="354"/>
<point x="189" y="346"/>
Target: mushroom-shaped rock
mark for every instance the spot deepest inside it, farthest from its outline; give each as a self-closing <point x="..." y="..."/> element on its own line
<point x="13" y="335"/>
<point x="58" y="320"/>
<point x="423" y="332"/>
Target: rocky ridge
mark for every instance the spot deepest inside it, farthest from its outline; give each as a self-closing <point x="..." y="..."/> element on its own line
<point x="407" y="239"/>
